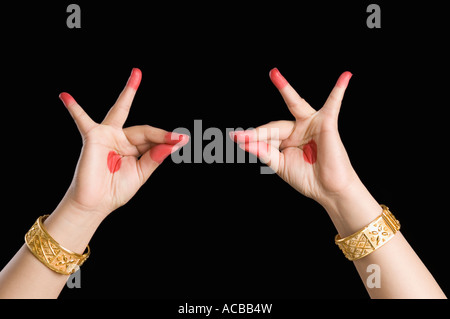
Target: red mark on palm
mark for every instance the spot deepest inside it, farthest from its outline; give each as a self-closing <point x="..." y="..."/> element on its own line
<point x="114" y="161"/>
<point x="310" y="152"/>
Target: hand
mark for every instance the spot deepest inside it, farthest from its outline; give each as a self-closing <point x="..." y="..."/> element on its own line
<point x="115" y="162"/>
<point x="307" y="152"/>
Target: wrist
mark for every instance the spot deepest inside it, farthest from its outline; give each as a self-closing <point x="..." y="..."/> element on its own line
<point x="78" y="215"/>
<point x="351" y="209"/>
<point x="72" y="226"/>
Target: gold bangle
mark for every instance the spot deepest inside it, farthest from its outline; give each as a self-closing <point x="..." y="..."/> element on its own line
<point x="370" y="238"/>
<point x="50" y="253"/>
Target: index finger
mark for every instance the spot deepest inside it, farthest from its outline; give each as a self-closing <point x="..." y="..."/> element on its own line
<point x="118" y="114"/>
<point x="299" y="108"/>
<point x="333" y="104"/>
<point x="146" y="134"/>
<point x="82" y="120"/>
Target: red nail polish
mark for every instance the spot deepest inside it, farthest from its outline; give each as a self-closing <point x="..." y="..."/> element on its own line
<point x="277" y="79"/>
<point x="344" y="79"/>
<point x="243" y="136"/>
<point x="159" y="152"/>
<point x="234" y="135"/>
<point x="135" y="79"/>
<point x="67" y="99"/>
<point x="175" y="138"/>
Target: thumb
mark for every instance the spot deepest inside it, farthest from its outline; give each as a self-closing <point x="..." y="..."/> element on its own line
<point x="150" y="160"/>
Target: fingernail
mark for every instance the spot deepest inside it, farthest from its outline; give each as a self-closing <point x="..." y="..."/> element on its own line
<point x="172" y="138"/>
<point x="66" y="98"/>
<point x="183" y="140"/>
<point x="277" y="79"/>
<point x="344" y="79"/>
<point x="175" y="138"/>
<point x="234" y="135"/>
<point x="160" y="152"/>
<point x="135" y="79"/>
<point x="243" y="136"/>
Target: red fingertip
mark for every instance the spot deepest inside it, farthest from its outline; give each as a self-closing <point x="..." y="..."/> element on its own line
<point x="243" y="136"/>
<point x="67" y="99"/>
<point x="344" y="79"/>
<point x="277" y="79"/>
<point x="135" y="79"/>
<point x="184" y="139"/>
<point x="159" y="152"/>
<point x="175" y="138"/>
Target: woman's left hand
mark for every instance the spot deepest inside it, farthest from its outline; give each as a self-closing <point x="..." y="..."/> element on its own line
<point x="115" y="162"/>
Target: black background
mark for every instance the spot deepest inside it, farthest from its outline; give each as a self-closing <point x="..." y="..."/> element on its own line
<point x="224" y="230"/>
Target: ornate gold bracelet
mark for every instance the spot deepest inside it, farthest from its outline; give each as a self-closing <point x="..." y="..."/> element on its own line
<point x="50" y="253"/>
<point x="371" y="237"/>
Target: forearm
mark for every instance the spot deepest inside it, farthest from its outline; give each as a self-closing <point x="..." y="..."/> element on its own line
<point x="26" y="277"/>
<point x="402" y="273"/>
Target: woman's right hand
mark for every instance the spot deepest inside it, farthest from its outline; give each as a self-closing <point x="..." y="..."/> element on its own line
<point x="307" y="152"/>
<point x="309" y="155"/>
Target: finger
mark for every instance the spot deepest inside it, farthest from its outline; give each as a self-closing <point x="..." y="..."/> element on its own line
<point x="118" y="114"/>
<point x="145" y="134"/>
<point x="298" y="107"/>
<point x="153" y="158"/>
<point x="266" y="153"/>
<point x="277" y="130"/>
<point x="82" y="120"/>
<point x="333" y="104"/>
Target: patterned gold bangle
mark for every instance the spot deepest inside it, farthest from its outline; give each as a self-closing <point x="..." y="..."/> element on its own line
<point x="50" y="253"/>
<point x="371" y="237"/>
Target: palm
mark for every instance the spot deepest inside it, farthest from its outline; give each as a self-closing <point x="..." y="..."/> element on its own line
<point x="295" y="169"/>
<point x="95" y="185"/>
<point x="329" y="173"/>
